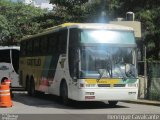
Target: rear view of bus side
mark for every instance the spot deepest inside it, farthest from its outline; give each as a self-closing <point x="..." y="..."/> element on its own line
<point x="9" y="64"/>
<point x="83" y="62"/>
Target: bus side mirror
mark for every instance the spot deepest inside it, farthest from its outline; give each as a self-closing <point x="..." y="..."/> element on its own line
<point x="127" y="68"/>
<point x="131" y="70"/>
<point x="74" y="78"/>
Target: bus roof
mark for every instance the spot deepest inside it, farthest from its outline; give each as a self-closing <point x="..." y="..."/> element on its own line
<point x="9" y="47"/>
<point x="92" y="26"/>
<point x="82" y="26"/>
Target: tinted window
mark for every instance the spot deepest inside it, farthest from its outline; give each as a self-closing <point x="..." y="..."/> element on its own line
<point x="36" y="47"/>
<point x="44" y="45"/>
<point x="5" y="56"/>
<point x="107" y="36"/>
<point x="62" y="41"/>
<point x="73" y="52"/>
<point x="15" y="59"/>
<point x="52" y="43"/>
<point x="29" y="47"/>
<point x="23" y="48"/>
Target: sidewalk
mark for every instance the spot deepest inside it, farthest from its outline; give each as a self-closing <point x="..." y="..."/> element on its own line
<point x="142" y="101"/>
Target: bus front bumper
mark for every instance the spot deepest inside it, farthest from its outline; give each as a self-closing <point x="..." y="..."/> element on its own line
<point x="103" y="94"/>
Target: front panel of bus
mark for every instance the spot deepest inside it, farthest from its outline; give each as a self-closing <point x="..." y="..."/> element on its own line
<point x="103" y="63"/>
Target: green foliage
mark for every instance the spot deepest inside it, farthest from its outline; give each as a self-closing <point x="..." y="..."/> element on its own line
<point x="146" y="11"/>
<point x="16" y="21"/>
<point x="68" y="3"/>
<point x="3" y="28"/>
<point x="82" y="10"/>
<point x="70" y="10"/>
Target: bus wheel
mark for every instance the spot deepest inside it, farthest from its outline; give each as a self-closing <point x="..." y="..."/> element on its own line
<point x="112" y="103"/>
<point x="27" y="88"/>
<point x="64" y="93"/>
<point x="32" y="87"/>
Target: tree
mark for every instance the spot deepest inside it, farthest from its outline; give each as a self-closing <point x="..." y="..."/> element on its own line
<point x="146" y="12"/>
<point x="84" y="11"/>
<point x="3" y="28"/>
<point x="17" y="21"/>
<point x="70" y="10"/>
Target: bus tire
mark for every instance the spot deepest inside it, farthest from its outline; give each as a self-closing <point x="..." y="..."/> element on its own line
<point x="64" y="93"/>
<point x="112" y="103"/>
<point x="32" y="87"/>
<point x="27" y="88"/>
<point x="38" y="93"/>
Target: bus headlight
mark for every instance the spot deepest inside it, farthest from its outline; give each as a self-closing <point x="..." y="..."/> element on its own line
<point x="132" y="85"/>
<point x="89" y="93"/>
<point x="90" y="85"/>
<point x="83" y="85"/>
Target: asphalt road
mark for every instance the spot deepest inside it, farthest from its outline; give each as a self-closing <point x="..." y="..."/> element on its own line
<point x="48" y="104"/>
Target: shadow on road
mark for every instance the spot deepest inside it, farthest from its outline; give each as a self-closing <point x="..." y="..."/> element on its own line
<point x="52" y="101"/>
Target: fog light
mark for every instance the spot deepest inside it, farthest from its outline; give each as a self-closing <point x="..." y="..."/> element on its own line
<point x="90" y="85"/>
<point x="89" y="93"/>
<point x="132" y="85"/>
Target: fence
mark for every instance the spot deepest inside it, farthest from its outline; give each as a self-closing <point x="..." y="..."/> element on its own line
<point x="153" y="86"/>
<point x="152" y="90"/>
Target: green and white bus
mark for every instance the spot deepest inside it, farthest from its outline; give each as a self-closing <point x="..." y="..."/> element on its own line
<point x="81" y="61"/>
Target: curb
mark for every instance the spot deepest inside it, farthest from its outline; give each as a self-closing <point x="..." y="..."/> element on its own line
<point x="155" y="103"/>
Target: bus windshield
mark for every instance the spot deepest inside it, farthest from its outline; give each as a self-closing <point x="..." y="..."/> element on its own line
<point x="102" y="50"/>
<point x="107" y="36"/>
<point x="111" y="59"/>
<point x="10" y="56"/>
<point x="5" y="56"/>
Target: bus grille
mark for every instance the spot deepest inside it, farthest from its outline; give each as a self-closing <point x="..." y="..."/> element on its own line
<point x="119" y="85"/>
<point x="109" y="85"/>
<point x="104" y="85"/>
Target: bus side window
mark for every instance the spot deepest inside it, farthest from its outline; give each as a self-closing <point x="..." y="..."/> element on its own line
<point x="44" y="43"/>
<point x="5" y="56"/>
<point x="35" y="46"/>
<point x="74" y="38"/>
<point x="23" y="48"/>
<point x="29" y="47"/>
<point x="62" y="45"/>
<point x="15" y="59"/>
<point x="39" y="50"/>
<point x="52" y="43"/>
<point x="73" y="52"/>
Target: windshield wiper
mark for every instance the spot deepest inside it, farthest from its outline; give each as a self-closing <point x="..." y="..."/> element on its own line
<point x="100" y="76"/>
<point x="101" y="72"/>
<point x="124" y="77"/>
